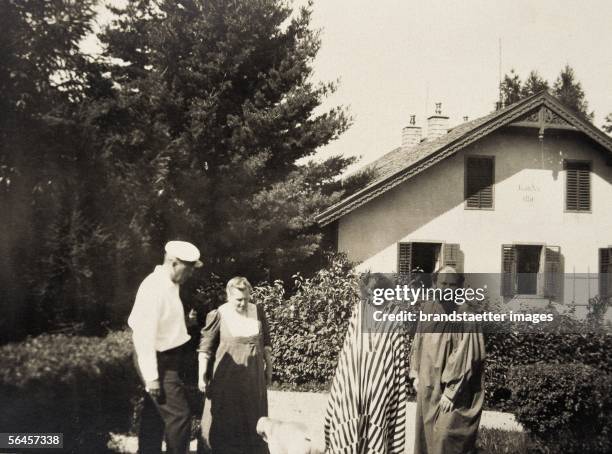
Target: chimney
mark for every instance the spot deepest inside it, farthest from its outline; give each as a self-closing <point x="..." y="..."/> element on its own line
<point x="437" y="125"/>
<point x="411" y="134"/>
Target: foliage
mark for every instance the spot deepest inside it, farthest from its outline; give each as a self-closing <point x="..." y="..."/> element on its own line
<point x="88" y="385"/>
<point x="508" y="350"/>
<point x="608" y="126"/>
<point x="46" y="170"/>
<point x="212" y="120"/>
<point x="511" y="88"/>
<point x="197" y="123"/>
<point x="533" y="84"/>
<point x="569" y="91"/>
<point x="566" y="88"/>
<point x="565" y="407"/>
<point x="309" y="327"/>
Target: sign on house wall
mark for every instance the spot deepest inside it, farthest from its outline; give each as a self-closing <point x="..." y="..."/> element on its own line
<point x="529" y="192"/>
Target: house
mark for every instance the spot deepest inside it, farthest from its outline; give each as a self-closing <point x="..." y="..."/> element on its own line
<point x="523" y="194"/>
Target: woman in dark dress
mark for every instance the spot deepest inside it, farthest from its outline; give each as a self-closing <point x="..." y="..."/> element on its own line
<point x="236" y="335"/>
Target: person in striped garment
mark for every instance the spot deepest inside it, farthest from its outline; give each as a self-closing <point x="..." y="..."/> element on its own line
<point x="446" y="363"/>
<point x="366" y="411"/>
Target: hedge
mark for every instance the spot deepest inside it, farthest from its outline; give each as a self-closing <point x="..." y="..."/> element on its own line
<point x="83" y="387"/>
<point x="506" y="351"/>
<point x="565" y="407"/>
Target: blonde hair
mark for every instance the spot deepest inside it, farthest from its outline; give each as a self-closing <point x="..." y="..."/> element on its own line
<point x="239" y="283"/>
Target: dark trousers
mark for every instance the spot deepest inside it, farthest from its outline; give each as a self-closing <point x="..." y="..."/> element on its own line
<point x="168" y="414"/>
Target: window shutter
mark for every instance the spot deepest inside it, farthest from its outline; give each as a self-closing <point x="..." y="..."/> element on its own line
<point x="578" y="186"/>
<point x="404" y="259"/>
<point x="552" y="271"/>
<point x="451" y="256"/>
<point x="508" y="277"/>
<point x="479" y="182"/>
<point x="605" y="273"/>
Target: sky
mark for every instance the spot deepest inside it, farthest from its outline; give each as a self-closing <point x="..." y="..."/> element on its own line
<point x="394" y="58"/>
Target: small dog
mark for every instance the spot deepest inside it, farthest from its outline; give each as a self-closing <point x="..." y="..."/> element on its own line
<point x="285" y="437"/>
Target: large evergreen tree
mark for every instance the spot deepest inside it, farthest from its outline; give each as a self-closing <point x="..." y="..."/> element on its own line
<point x="566" y="88"/>
<point x="44" y="160"/>
<point x="206" y="138"/>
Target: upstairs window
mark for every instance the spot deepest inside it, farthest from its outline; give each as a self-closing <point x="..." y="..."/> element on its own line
<point x="479" y="175"/>
<point x="577" y="186"/>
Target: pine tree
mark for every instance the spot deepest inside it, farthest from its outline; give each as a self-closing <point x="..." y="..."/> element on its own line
<point x="215" y="115"/>
<point x="566" y="89"/>
<point x="45" y="163"/>
<point x="533" y="84"/>
<point x="569" y="91"/>
<point x="511" y="88"/>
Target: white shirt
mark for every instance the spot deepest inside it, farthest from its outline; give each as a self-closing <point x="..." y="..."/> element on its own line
<point x="157" y="320"/>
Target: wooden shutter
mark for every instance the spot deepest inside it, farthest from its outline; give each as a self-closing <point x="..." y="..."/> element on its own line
<point x="508" y="277"/>
<point x="404" y="259"/>
<point x="479" y="182"/>
<point x="552" y="271"/>
<point x="578" y="186"/>
<point x="451" y="256"/>
<point x="605" y="273"/>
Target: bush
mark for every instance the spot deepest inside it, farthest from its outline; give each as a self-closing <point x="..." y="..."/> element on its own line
<point x="308" y="328"/>
<point x="83" y="387"/>
<point x="509" y="350"/>
<point x="565" y="407"/>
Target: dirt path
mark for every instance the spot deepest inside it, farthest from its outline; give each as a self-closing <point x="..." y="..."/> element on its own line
<point x="309" y="408"/>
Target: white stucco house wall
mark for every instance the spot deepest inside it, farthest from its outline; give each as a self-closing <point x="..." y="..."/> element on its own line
<point x="524" y="193"/>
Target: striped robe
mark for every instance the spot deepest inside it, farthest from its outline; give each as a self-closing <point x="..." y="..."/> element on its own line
<point x="366" y="410"/>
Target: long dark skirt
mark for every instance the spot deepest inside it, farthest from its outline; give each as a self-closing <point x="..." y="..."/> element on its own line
<point x="236" y="397"/>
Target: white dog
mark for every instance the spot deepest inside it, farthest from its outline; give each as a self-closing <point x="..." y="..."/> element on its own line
<point x="286" y="437"/>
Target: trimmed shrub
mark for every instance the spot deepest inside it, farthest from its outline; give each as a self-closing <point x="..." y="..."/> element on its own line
<point x="83" y="387"/>
<point x="565" y="407"/>
<point x="509" y="350"/>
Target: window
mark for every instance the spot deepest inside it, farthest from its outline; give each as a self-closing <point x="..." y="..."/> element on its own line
<point x="605" y="273"/>
<point x="479" y="177"/>
<point x="577" y="186"/>
<point x="530" y="270"/>
<point x="426" y="258"/>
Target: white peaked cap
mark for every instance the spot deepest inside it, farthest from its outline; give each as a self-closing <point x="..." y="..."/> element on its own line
<point x="184" y="251"/>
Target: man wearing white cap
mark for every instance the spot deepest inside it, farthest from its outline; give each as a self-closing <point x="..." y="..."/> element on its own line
<point x="159" y="333"/>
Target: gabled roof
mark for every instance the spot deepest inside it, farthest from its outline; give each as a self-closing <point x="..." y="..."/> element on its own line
<point x="402" y="164"/>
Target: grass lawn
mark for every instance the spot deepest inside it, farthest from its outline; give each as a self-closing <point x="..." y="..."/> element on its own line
<point x="497" y="441"/>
